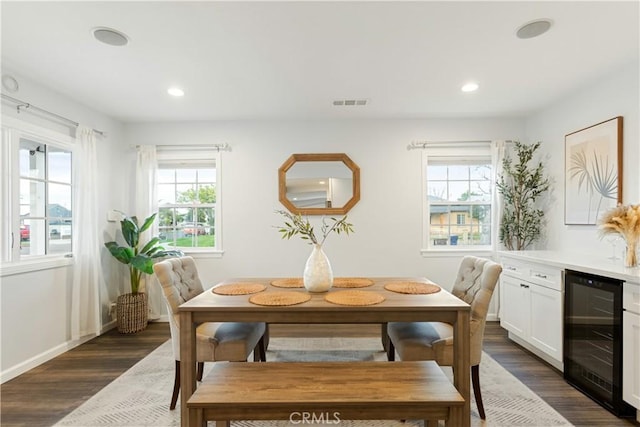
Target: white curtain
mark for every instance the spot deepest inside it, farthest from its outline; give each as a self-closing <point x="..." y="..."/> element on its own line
<point x="87" y="270"/>
<point x="498" y="149"/>
<point x="497" y="156"/>
<point x="146" y="204"/>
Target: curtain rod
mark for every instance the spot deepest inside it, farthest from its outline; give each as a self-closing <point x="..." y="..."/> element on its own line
<point x="187" y="147"/>
<point x="28" y="106"/>
<point x="424" y="144"/>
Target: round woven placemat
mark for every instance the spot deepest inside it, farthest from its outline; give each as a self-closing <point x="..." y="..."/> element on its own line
<point x="293" y="282"/>
<point x="354" y="297"/>
<point x="239" y="288"/>
<point x="351" y="282"/>
<point x="412" y="288"/>
<point x="279" y="298"/>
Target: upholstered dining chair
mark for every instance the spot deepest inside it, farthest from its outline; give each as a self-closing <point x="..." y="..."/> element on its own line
<point x="228" y="341"/>
<point x="474" y="284"/>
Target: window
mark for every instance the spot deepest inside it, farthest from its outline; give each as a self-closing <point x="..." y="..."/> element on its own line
<point x="458" y="202"/>
<point x="45" y="198"/>
<point x="37" y="219"/>
<point x="188" y="198"/>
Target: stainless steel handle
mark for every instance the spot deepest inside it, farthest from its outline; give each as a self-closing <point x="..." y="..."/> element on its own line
<point x="542" y="276"/>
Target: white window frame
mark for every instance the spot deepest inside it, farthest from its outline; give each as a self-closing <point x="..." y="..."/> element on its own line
<point x="463" y="151"/>
<point x="194" y="155"/>
<point x="12" y="262"/>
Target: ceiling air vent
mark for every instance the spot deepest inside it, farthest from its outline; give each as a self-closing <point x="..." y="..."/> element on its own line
<point x="350" y="102"/>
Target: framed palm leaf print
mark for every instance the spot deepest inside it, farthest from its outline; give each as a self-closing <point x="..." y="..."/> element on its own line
<point x="593" y="172"/>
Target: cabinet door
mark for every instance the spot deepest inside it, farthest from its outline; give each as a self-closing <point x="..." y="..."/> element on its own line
<point x="631" y="358"/>
<point x="514" y="305"/>
<point x="545" y="330"/>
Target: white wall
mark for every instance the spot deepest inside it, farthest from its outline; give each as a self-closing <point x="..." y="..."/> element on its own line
<point x="387" y="220"/>
<point x="35" y="307"/>
<point x="615" y="94"/>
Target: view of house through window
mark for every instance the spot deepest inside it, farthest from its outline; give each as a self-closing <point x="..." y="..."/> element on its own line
<point x="45" y="198"/>
<point x="187" y="205"/>
<point x="459" y="193"/>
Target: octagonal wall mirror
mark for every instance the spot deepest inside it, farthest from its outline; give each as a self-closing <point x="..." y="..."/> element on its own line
<point x="319" y="184"/>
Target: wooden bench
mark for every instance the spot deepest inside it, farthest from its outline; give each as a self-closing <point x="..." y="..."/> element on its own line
<point x="325" y="392"/>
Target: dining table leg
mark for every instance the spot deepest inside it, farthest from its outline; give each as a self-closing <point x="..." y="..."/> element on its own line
<point x="461" y="368"/>
<point x="187" y="366"/>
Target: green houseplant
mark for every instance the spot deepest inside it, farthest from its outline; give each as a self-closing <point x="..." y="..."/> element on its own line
<point x="521" y="184"/>
<point x="131" y="308"/>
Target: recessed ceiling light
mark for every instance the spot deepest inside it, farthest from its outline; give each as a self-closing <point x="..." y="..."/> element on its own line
<point x="175" y="91"/>
<point x="110" y="36"/>
<point x="469" y="87"/>
<point x="534" y="28"/>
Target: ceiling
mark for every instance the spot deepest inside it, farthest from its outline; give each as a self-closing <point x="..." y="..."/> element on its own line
<point x="291" y="60"/>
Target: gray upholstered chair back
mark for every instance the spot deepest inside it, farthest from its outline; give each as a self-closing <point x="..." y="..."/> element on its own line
<point x="180" y="282"/>
<point x="475" y="283"/>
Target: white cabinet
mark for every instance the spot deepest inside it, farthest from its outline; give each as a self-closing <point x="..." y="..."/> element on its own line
<point x="631" y="344"/>
<point x="531" y="307"/>
<point x="546" y="320"/>
<point x="514" y="305"/>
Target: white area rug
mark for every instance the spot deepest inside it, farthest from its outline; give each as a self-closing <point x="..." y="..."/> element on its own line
<point x="141" y="396"/>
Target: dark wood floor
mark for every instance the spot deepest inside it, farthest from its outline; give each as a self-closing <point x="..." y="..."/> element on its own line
<point x="44" y="395"/>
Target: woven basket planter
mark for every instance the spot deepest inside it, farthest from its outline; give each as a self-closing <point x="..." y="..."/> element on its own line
<point x="132" y="312"/>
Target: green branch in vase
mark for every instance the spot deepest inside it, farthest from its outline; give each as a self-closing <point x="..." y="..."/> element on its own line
<point x="295" y="224"/>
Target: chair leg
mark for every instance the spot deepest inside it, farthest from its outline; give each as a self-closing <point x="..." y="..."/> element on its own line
<point x="259" y="352"/>
<point x="176" y="387"/>
<point x="256" y="352"/>
<point x="384" y="336"/>
<point x="266" y="336"/>
<point x="391" y="352"/>
<point x="475" y="379"/>
<point x="200" y="370"/>
<point x="262" y="348"/>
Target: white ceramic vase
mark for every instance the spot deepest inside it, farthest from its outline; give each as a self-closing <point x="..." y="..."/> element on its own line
<point x="317" y="276"/>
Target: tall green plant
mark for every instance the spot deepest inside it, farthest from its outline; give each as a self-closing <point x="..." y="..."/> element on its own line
<point x="520" y="185"/>
<point x="139" y="258"/>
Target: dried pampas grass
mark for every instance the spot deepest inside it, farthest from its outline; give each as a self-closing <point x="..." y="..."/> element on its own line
<point x="625" y="221"/>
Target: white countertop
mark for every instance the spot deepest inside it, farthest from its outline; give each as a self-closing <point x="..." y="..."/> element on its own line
<point x="587" y="263"/>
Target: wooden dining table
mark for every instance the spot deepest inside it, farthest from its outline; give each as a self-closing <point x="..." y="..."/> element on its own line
<point x="440" y="306"/>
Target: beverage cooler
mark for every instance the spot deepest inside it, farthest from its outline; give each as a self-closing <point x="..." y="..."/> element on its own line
<point x="593" y="339"/>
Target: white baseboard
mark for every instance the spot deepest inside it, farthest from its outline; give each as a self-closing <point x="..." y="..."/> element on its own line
<point x="108" y="326"/>
<point x="41" y="358"/>
<point x="542" y="355"/>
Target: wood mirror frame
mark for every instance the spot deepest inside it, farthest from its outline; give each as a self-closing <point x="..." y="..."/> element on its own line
<point x="321" y="157"/>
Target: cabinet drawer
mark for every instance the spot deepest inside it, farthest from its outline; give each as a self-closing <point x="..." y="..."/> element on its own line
<point x="514" y="268"/>
<point x="546" y="276"/>
<point x="631" y="297"/>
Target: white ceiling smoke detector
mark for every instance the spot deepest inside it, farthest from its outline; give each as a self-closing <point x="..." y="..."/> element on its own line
<point x="110" y="36"/>
<point x="9" y="83"/>
<point x="534" y="28"/>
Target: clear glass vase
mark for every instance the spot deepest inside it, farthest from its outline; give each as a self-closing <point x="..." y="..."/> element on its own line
<point x="318" y="276"/>
<point x="631" y="255"/>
